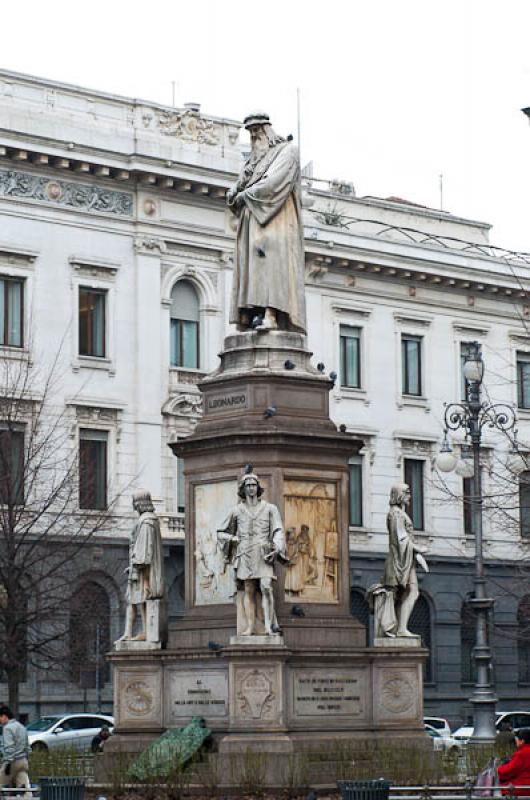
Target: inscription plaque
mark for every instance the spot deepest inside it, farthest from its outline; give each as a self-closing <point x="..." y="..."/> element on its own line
<point x="203" y="693"/>
<point x="317" y="694"/>
<point x="226" y="402"/>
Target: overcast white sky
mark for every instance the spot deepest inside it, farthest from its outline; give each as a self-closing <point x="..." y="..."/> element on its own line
<point x="394" y="92"/>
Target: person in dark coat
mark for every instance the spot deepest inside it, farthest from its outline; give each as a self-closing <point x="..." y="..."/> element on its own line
<point x="517" y="771"/>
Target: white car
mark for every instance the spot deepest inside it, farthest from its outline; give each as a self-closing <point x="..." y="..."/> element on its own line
<point x="440" y="724"/>
<point x="66" y="730"/>
<point x="517" y="719"/>
<point x="445" y="743"/>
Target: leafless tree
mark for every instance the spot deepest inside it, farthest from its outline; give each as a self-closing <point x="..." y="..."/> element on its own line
<point x="42" y="529"/>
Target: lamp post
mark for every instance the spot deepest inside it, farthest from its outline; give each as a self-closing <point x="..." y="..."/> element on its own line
<point x="471" y="416"/>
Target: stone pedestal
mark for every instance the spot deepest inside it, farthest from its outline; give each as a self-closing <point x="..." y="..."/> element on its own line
<point x="399" y="642"/>
<point x="266" y="405"/>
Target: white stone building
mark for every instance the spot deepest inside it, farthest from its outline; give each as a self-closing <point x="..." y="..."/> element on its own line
<point x="115" y="241"/>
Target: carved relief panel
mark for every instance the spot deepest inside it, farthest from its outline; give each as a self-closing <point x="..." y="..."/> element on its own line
<point x="138" y="697"/>
<point x="256" y="694"/>
<point x="312" y="541"/>
<point x="398" y="694"/>
<point x="214" y="581"/>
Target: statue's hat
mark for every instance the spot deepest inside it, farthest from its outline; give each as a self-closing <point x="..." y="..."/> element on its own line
<point x="256" y="118"/>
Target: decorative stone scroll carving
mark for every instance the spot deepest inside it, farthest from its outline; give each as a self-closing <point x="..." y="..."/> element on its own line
<point x="149" y="244"/>
<point x="189" y="126"/>
<point x="81" y="196"/>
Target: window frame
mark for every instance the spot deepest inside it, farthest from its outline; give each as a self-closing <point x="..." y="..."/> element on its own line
<point x="180" y="324"/>
<point x="17" y="431"/>
<point x="342" y="355"/>
<point x="405" y="367"/>
<point x="356" y="461"/>
<point x="421" y="463"/>
<point x="99" y="292"/>
<point x="88" y="491"/>
<point x="521" y="358"/>
<point x="10" y="279"/>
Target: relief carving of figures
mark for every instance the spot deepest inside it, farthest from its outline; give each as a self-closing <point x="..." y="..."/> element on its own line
<point x="392" y="600"/>
<point x="269" y="259"/>
<point x="82" y="196"/>
<point x="302" y="568"/>
<point x="253" y="539"/>
<point x="312" y="574"/>
<point x="214" y="579"/>
<point x="190" y="127"/>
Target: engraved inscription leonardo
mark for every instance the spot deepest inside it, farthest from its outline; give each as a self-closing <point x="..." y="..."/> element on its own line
<point x="226" y="402"/>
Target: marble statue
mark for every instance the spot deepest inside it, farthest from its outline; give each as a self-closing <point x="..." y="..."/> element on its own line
<point x="269" y="259"/>
<point x="252" y="539"/>
<point x="393" y="600"/>
<point x="145" y="581"/>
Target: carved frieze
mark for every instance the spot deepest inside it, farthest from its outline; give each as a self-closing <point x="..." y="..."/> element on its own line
<point x="189" y="126"/>
<point x="80" y="196"/>
<point x="150" y="244"/>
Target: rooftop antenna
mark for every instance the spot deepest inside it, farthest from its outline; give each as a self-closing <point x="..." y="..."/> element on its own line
<point x="441" y="192"/>
<point x="173" y="93"/>
<point x="298" y="119"/>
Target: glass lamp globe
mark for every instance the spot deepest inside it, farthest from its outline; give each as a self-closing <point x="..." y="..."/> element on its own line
<point x="474" y="369"/>
<point x="465" y="468"/>
<point x="446" y="460"/>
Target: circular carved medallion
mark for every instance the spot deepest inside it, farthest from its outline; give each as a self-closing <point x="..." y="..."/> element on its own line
<point x="138" y="698"/>
<point x="397" y="694"/>
<point x="54" y="190"/>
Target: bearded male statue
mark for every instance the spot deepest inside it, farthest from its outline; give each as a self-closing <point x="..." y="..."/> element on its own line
<point x="269" y="257"/>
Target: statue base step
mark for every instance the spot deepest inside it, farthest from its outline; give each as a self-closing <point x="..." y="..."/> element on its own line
<point x="397" y="641"/>
<point x="258" y="641"/>
<point x="136" y="644"/>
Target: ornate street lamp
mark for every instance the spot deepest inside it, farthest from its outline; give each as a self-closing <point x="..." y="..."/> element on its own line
<point x="472" y="416"/>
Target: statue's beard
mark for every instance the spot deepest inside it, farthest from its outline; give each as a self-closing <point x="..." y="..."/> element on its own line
<point x="260" y="146"/>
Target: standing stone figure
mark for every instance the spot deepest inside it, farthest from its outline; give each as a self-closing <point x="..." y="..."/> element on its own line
<point x="252" y="538"/>
<point x="393" y="599"/>
<point x="269" y="257"/>
<point x="145" y="583"/>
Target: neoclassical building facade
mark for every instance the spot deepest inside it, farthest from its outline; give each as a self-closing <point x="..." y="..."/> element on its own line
<point x="116" y="252"/>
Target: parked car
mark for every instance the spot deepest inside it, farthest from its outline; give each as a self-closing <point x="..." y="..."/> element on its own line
<point x="440" y="724"/>
<point x="66" y="730"/>
<point x="445" y="743"/>
<point x="517" y="719"/>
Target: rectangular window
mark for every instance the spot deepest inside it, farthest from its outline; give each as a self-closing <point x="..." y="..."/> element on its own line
<point x="11" y="467"/>
<point x="414" y="480"/>
<point x="356" y="491"/>
<point x="466" y="349"/>
<point x="181" y="496"/>
<point x="468" y="485"/>
<point x="350" y="356"/>
<point x="524" y="503"/>
<point x="184" y="344"/>
<point x="411" y="364"/>
<point x="92" y="304"/>
<point x="11" y="312"/>
<point x="93" y="469"/>
<point x="523" y="380"/>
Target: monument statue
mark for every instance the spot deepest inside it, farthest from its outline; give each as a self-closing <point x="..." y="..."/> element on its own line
<point x="269" y="257"/>
<point x="252" y="539"/>
<point x="145" y="581"/>
<point x="392" y="600"/>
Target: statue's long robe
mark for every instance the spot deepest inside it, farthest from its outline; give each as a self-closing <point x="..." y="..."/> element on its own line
<point x="269" y="258"/>
<point x="399" y="565"/>
<point x="146" y="554"/>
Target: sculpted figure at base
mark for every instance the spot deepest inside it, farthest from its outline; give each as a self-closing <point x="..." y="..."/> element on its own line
<point x="145" y="582"/>
<point x="252" y="539"/>
<point x="392" y="600"/>
<point x="269" y="258"/>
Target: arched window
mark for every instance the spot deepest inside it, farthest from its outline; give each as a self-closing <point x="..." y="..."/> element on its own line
<point x="523" y="639"/>
<point x="89" y="633"/>
<point x="420" y="624"/>
<point x="359" y="608"/>
<point x="184" y="326"/>
<point x="467" y="643"/>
